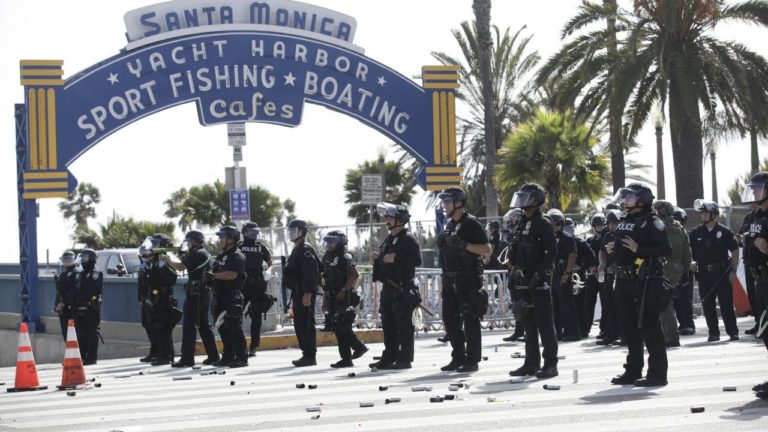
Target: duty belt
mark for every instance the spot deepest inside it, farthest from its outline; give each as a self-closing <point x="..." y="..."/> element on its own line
<point x="626" y="272"/>
<point x="715" y="268"/>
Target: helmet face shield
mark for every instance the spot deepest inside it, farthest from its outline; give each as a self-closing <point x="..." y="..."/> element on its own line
<point x="626" y="198"/>
<point x="251" y="233"/>
<point x="294" y="233"/>
<point x="522" y="200"/>
<point x="386" y="210"/>
<point x="754" y="193"/>
<point x="68" y="260"/>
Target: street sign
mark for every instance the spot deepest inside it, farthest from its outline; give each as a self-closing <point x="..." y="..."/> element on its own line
<point x="236" y="134"/>
<point x="239" y="204"/>
<point x="237" y="153"/>
<point x="371" y="189"/>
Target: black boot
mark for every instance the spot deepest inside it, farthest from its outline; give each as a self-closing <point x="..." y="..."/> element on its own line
<point x="627" y="378"/>
<point x="453" y="365"/>
<point x="305" y="361"/>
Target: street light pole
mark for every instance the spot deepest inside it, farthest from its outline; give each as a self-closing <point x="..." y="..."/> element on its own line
<point x="658" y="123"/>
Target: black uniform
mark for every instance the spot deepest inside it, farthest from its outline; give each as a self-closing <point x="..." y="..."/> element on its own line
<point x="587" y="297"/>
<point x="228" y="300"/>
<point x="755" y="302"/>
<point x="88" y="314"/>
<point x="566" y="318"/>
<point x="512" y="241"/>
<point x="533" y="259"/>
<point x="146" y="310"/>
<point x="158" y="279"/>
<point x="463" y="290"/>
<point x="197" y="307"/>
<point x="758" y="261"/>
<point x="710" y="250"/>
<point x="302" y="276"/>
<point x="653" y="243"/>
<point x="66" y="290"/>
<point x="255" y="286"/>
<point x="594" y="242"/>
<point x="497" y="245"/>
<point x="399" y="296"/>
<point x="612" y="326"/>
<point x="337" y="267"/>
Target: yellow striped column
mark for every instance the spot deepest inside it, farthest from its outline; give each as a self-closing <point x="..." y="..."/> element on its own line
<point x="43" y="178"/>
<point x="442" y="82"/>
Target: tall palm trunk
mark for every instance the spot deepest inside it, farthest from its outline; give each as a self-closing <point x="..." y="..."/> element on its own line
<point x="687" y="148"/>
<point x="615" y="111"/>
<point x="755" y="166"/>
<point x="712" y="161"/>
<point x="482" y="11"/>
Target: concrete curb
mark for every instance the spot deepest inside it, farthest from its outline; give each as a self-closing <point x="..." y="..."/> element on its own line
<point x="290" y="341"/>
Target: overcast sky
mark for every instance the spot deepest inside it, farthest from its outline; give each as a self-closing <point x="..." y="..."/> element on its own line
<point x="307" y="163"/>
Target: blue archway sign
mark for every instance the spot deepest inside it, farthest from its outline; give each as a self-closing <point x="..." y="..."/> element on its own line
<point x="261" y="71"/>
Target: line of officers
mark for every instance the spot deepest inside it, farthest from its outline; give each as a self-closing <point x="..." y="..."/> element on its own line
<point x="640" y="261"/>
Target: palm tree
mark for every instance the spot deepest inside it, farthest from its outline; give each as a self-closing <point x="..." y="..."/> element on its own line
<point x="399" y="183"/>
<point x="714" y="132"/>
<point x="482" y="11"/>
<point x="555" y="150"/>
<point x="81" y="205"/>
<point x="667" y="54"/>
<point x="121" y="232"/>
<point x="511" y="65"/>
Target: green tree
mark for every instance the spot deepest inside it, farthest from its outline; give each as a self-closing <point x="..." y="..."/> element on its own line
<point x="399" y="183"/>
<point x="122" y="232"/>
<point x="80" y="205"/>
<point x="207" y="205"/>
<point x="512" y="64"/>
<point x="557" y="151"/>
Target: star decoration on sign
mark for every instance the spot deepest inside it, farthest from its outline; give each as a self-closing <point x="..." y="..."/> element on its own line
<point x="113" y="78"/>
<point x="290" y="79"/>
<point x="382" y="81"/>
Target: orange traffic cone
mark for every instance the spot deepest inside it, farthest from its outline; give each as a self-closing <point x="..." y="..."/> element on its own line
<point x="26" y="371"/>
<point x="73" y="374"/>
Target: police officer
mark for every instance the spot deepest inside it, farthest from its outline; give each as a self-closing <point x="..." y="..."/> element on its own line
<point x="683" y="298"/>
<point x="612" y="329"/>
<point x="159" y="279"/>
<point x="756" y="192"/>
<point x="755" y="302"/>
<point x="66" y="290"/>
<point x="302" y="276"/>
<point x="586" y="267"/>
<point x="257" y="257"/>
<point x="533" y="259"/>
<point x="196" y="261"/>
<point x="227" y="276"/>
<point x="675" y="266"/>
<point x="88" y="307"/>
<point x="641" y="242"/>
<point x="338" y="280"/>
<point x="462" y="244"/>
<point x="494" y="238"/>
<point x="715" y="270"/>
<point x="511" y="219"/>
<point x="598" y="224"/>
<point x="394" y="265"/>
<point x="566" y="319"/>
<point x="146" y="305"/>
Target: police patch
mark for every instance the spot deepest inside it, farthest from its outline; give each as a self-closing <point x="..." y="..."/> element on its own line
<point x="394" y="241"/>
<point x="659" y="224"/>
<point x="719" y="234"/>
<point x="528" y="225"/>
<point x="95" y="276"/>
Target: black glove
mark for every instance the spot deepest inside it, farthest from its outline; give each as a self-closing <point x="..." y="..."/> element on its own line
<point x="454" y="241"/>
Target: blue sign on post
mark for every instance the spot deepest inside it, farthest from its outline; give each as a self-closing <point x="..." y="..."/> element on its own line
<point x="239" y="205"/>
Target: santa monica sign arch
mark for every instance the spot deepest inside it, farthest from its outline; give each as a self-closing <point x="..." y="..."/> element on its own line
<point x="237" y="61"/>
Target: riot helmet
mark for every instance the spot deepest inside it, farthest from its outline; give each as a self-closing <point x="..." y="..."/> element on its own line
<point x="396" y="212"/>
<point x="680" y="215"/>
<point x="597" y="219"/>
<point x="68" y="259"/>
<point x="155" y="241"/>
<point x="556" y="216"/>
<point x="335" y="240"/>
<point x="297" y="229"/>
<point x="663" y="208"/>
<point x="613" y="216"/>
<point x="452" y="196"/>
<point x="632" y="196"/>
<point x="192" y="240"/>
<point x="226" y="233"/>
<point x="87" y="259"/>
<point x="569" y="227"/>
<point x="251" y="231"/>
<point x="756" y="191"/>
<point x="512" y="217"/>
<point x="706" y="206"/>
<point x="529" y="195"/>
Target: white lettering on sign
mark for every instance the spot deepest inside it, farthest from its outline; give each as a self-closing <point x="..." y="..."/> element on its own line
<point x="183" y="14"/>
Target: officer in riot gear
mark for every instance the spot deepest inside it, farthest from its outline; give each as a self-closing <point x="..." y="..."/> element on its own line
<point x="66" y="290"/>
<point x="607" y="268"/>
<point x="756" y="193"/>
<point x="302" y="276"/>
<point x="226" y="277"/>
<point x="566" y="318"/>
<point x="494" y="238"/>
<point x="465" y="301"/>
<point x="158" y="278"/>
<point x="676" y="267"/>
<point x="87" y="303"/>
<point x="715" y="259"/>
<point x="586" y="268"/>
<point x="257" y="257"/>
<point x="146" y="305"/>
<point x="533" y="260"/>
<point x="511" y="219"/>
<point x="339" y="278"/>
<point x="641" y="291"/>
<point x="196" y="261"/>
<point x="683" y="298"/>
<point x="598" y="224"/>
<point x="755" y="302"/>
<point x="394" y="265"/>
